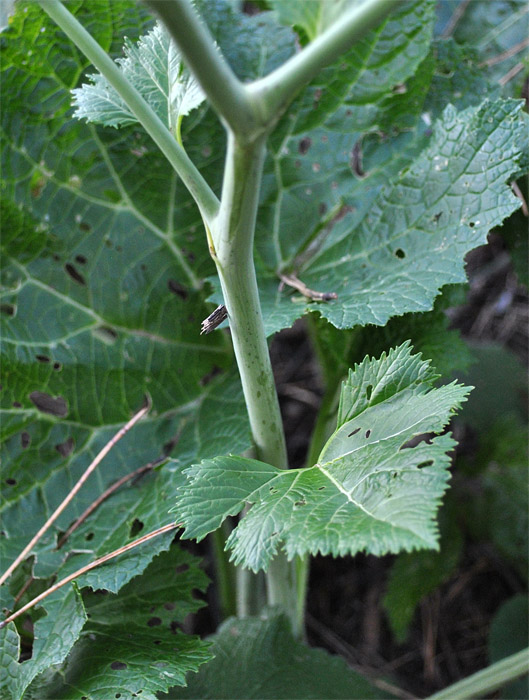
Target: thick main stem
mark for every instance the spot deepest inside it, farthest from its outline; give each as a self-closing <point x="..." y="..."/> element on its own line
<point x="233" y="236"/>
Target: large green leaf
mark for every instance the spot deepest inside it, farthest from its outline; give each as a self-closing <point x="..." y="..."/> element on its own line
<point x="259" y="658"/>
<point x="395" y="256"/>
<point x="130" y="643"/>
<point x="102" y="300"/>
<point x="376" y="486"/>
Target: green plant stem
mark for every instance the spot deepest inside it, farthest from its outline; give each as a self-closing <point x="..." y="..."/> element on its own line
<point x="233" y="236"/>
<point x="272" y="94"/>
<point x="488" y="680"/>
<point x="224" y="90"/>
<point x="193" y="180"/>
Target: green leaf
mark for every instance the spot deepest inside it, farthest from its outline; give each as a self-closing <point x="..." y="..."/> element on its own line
<point x="55" y="634"/>
<point x="131" y="643"/>
<point x="102" y="299"/>
<point x="313" y="17"/>
<point x="256" y="658"/>
<point x="372" y="489"/>
<point x="156" y="70"/>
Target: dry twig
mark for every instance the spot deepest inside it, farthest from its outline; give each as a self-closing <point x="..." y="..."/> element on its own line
<point x="88" y="567"/>
<point x="296" y="283"/>
<point x="102" y="454"/>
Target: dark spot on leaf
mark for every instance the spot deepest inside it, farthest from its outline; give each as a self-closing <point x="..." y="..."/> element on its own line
<point x="57" y="366"/>
<point x="322" y="208"/>
<point x="368" y="433"/>
<point x="180" y="570"/>
<point x="356" y="160"/>
<point x="89" y="536"/>
<point x="108" y="243"/>
<point x="25" y="439"/>
<point x="135" y="528"/>
<point x="424" y="437"/>
<point x="437" y="216"/>
<point x="56" y="257"/>
<point x="169" y="606"/>
<point x="43" y="358"/>
<point x="174" y="626"/>
<point x="301" y="502"/>
<point x="189" y="255"/>
<point x="321" y="488"/>
<point x="273" y="490"/>
<point x="369" y="391"/>
<point x="178" y="289"/>
<point x="17" y="404"/>
<point x="157" y="641"/>
<point x="8" y="309"/>
<point x="472" y="224"/>
<point x="117" y="695"/>
<point x="304" y="145"/>
<point x="11" y="482"/>
<point x="81" y="259"/>
<point x="55" y="406"/>
<point x="154" y="622"/>
<point x="215" y="371"/>
<point x="84" y="226"/>
<point x="76" y="276"/>
<point x="169" y="446"/>
<point x="106" y="334"/>
<point x="118" y="665"/>
<point x="353" y="432"/>
<point x="400" y="253"/>
<point x="428" y="463"/>
<point x="65" y="448"/>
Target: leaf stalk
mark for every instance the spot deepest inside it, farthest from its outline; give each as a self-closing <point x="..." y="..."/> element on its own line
<point x="201" y="192"/>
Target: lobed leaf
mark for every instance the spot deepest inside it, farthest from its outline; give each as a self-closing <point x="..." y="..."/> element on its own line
<point x="376" y="486"/>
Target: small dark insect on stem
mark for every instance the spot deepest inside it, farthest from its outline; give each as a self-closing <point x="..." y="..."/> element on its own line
<point x="214" y="319"/>
<point x="296" y="283"/>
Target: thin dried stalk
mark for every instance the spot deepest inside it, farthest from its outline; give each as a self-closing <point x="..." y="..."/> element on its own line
<point x="102" y="454"/>
<point x="88" y="567"/>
